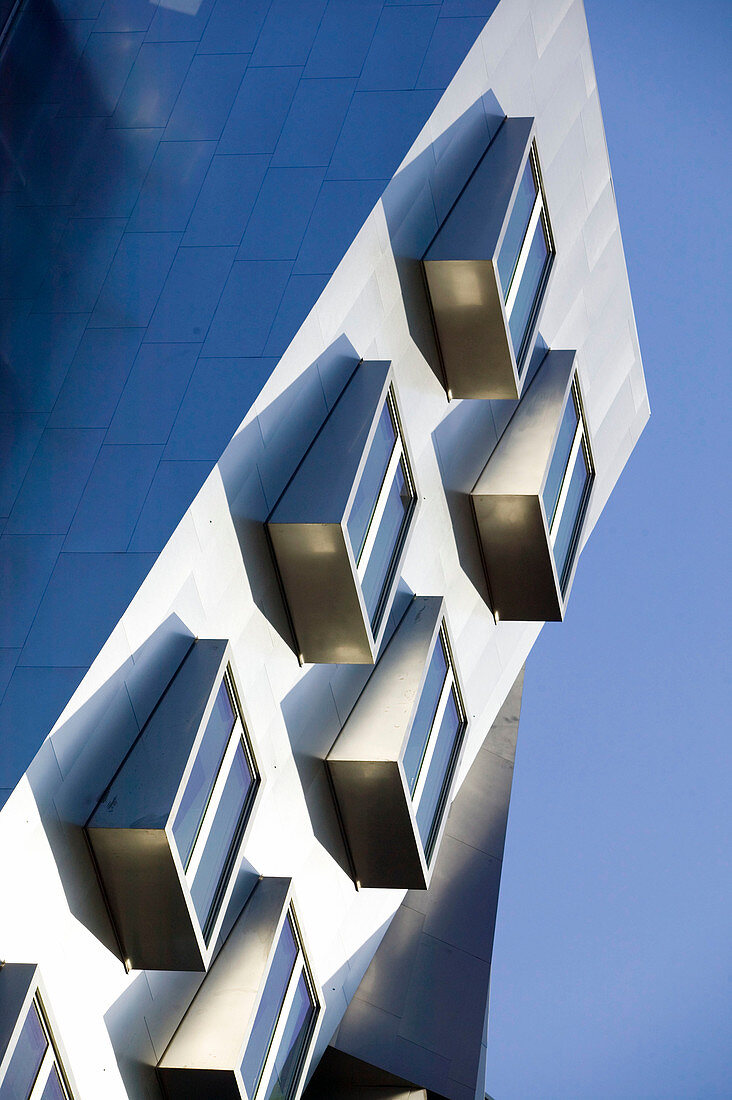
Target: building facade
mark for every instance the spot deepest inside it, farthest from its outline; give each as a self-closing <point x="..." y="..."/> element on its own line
<point x="319" y="365"/>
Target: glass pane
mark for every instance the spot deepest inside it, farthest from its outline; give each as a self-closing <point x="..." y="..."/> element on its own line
<point x="26" y="1060"/>
<point x="560" y="458"/>
<point x="203" y="774"/>
<point x="428" y="700"/>
<point x="516" y="228"/>
<point x="54" y="1089"/>
<point x="439" y="773"/>
<point x="269" y="1009"/>
<point x="294" y="1038"/>
<point x="570" y="516"/>
<point x="222" y="835"/>
<point x="387" y="540"/>
<point x="528" y="289"/>
<point x="371" y="481"/>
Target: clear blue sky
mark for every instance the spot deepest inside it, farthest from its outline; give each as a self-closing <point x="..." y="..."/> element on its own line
<point x="611" y="974"/>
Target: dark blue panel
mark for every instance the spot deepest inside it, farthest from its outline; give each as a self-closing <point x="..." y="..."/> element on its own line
<point x="343" y="38"/>
<point x="33" y="701"/>
<point x="180" y="26"/>
<point x="226" y="200"/>
<point x="174" y="486"/>
<point x="154" y="84"/>
<point x="378" y="131"/>
<point x="300" y="296"/>
<point x="55" y="163"/>
<point x="113" y="498"/>
<point x="288" y="32"/>
<point x="234" y="27"/>
<point x="206" y="98"/>
<point x="35" y="353"/>
<point x="136" y="277"/>
<point x="19" y="436"/>
<point x="79" y="9"/>
<point x="449" y="47"/>
<point x="172" y="185"/>
<point x="8" y="661"/>
<point x="281" y="214"/>
<point x="483" y="8"/>
<point x="80" y="265"/>
<point x="41" y="56"/>
<point x="103" y="584"/>
<point x="102" y="73"/>
<point x="28" y="235"/>
<point x="314" y="122"/>
<point x="339" y="213"/>
<point x="191" y="294"/>
<point x="259" y="111"/>
<point x="153" y="392"/>
<point x="237" y="331"/>
<point x="26" y="564"/>
<point x="96" y="378"/>
<point x="111" y="185"/>
<point x="55" y="481"/>
<point x="398" y="48"/>
<point x="220" y="394"/>
<point x="125" y="15"/>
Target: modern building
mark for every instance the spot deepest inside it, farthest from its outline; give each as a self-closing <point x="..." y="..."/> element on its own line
<point x="318" y="366"/>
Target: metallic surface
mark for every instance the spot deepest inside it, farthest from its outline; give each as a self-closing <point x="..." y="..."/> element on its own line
<point x="507" y="501"/>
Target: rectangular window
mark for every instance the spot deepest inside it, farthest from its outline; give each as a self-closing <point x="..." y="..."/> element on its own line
<point x="525" y="257"/>
<point x="215" y="805"/>
<point x="284" y="1022"/>
<point x="434" y="744"/>
<point x="567" y="486"/>
<point x="35" y="1071"/>
<point x="379" y="516"/>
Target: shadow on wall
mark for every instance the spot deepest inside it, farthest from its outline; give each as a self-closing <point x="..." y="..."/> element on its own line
<point x="261" y="459"/>
<point x="315" y="711"/>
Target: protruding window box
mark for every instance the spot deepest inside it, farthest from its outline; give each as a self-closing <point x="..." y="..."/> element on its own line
<point x="530" y="501"/>
<point x="339" y="530"/>
<point x="31" y="1058"/>
<point x="488" y="268"/>
<point x="394" y="762"/>
<point x="249" y="1031"/>
<point x="168" y="833"/>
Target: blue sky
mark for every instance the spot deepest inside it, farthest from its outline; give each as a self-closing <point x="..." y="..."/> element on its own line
<point x="611" y="973"/>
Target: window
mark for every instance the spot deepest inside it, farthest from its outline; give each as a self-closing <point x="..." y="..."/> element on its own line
<point x="380" y="512"/>
<point x="567" y="486"/>
<point x="35" y="1071"/>
<point x="277" y="1044"/>
<point x="215" y="805"/>
<point x="525" y="257"/>
<point x="434" y="743"/>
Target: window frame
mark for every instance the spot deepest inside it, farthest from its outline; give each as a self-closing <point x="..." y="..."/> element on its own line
<point x="397" y="459"/>
<point x="239" y="735"/>
<point x="301" y="968"/>
<point x="53" y="1056"/>
<point x="539" y="215"/>
<point x="450" y="686"/>
<point x="580" y="449"/>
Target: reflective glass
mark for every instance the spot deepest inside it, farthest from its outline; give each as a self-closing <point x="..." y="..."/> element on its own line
<point x="371" y="481"/>
<point x="269" y="1009"/>
<point x="54" y="1090"/>
<point x="294" y="1038"/>
<point x="439" y="772"/>
<point x="559" y="461"/>
<point x="570" y="516"/>
<point x="516" y="228"/>
<point x="392" y="523"/>
<point x="423" y="719"/>
<point x="203" y="774"/>
<point x="528" y="289"/>
<point x="26" y="1059"/>
<point x="222" y="836"/>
